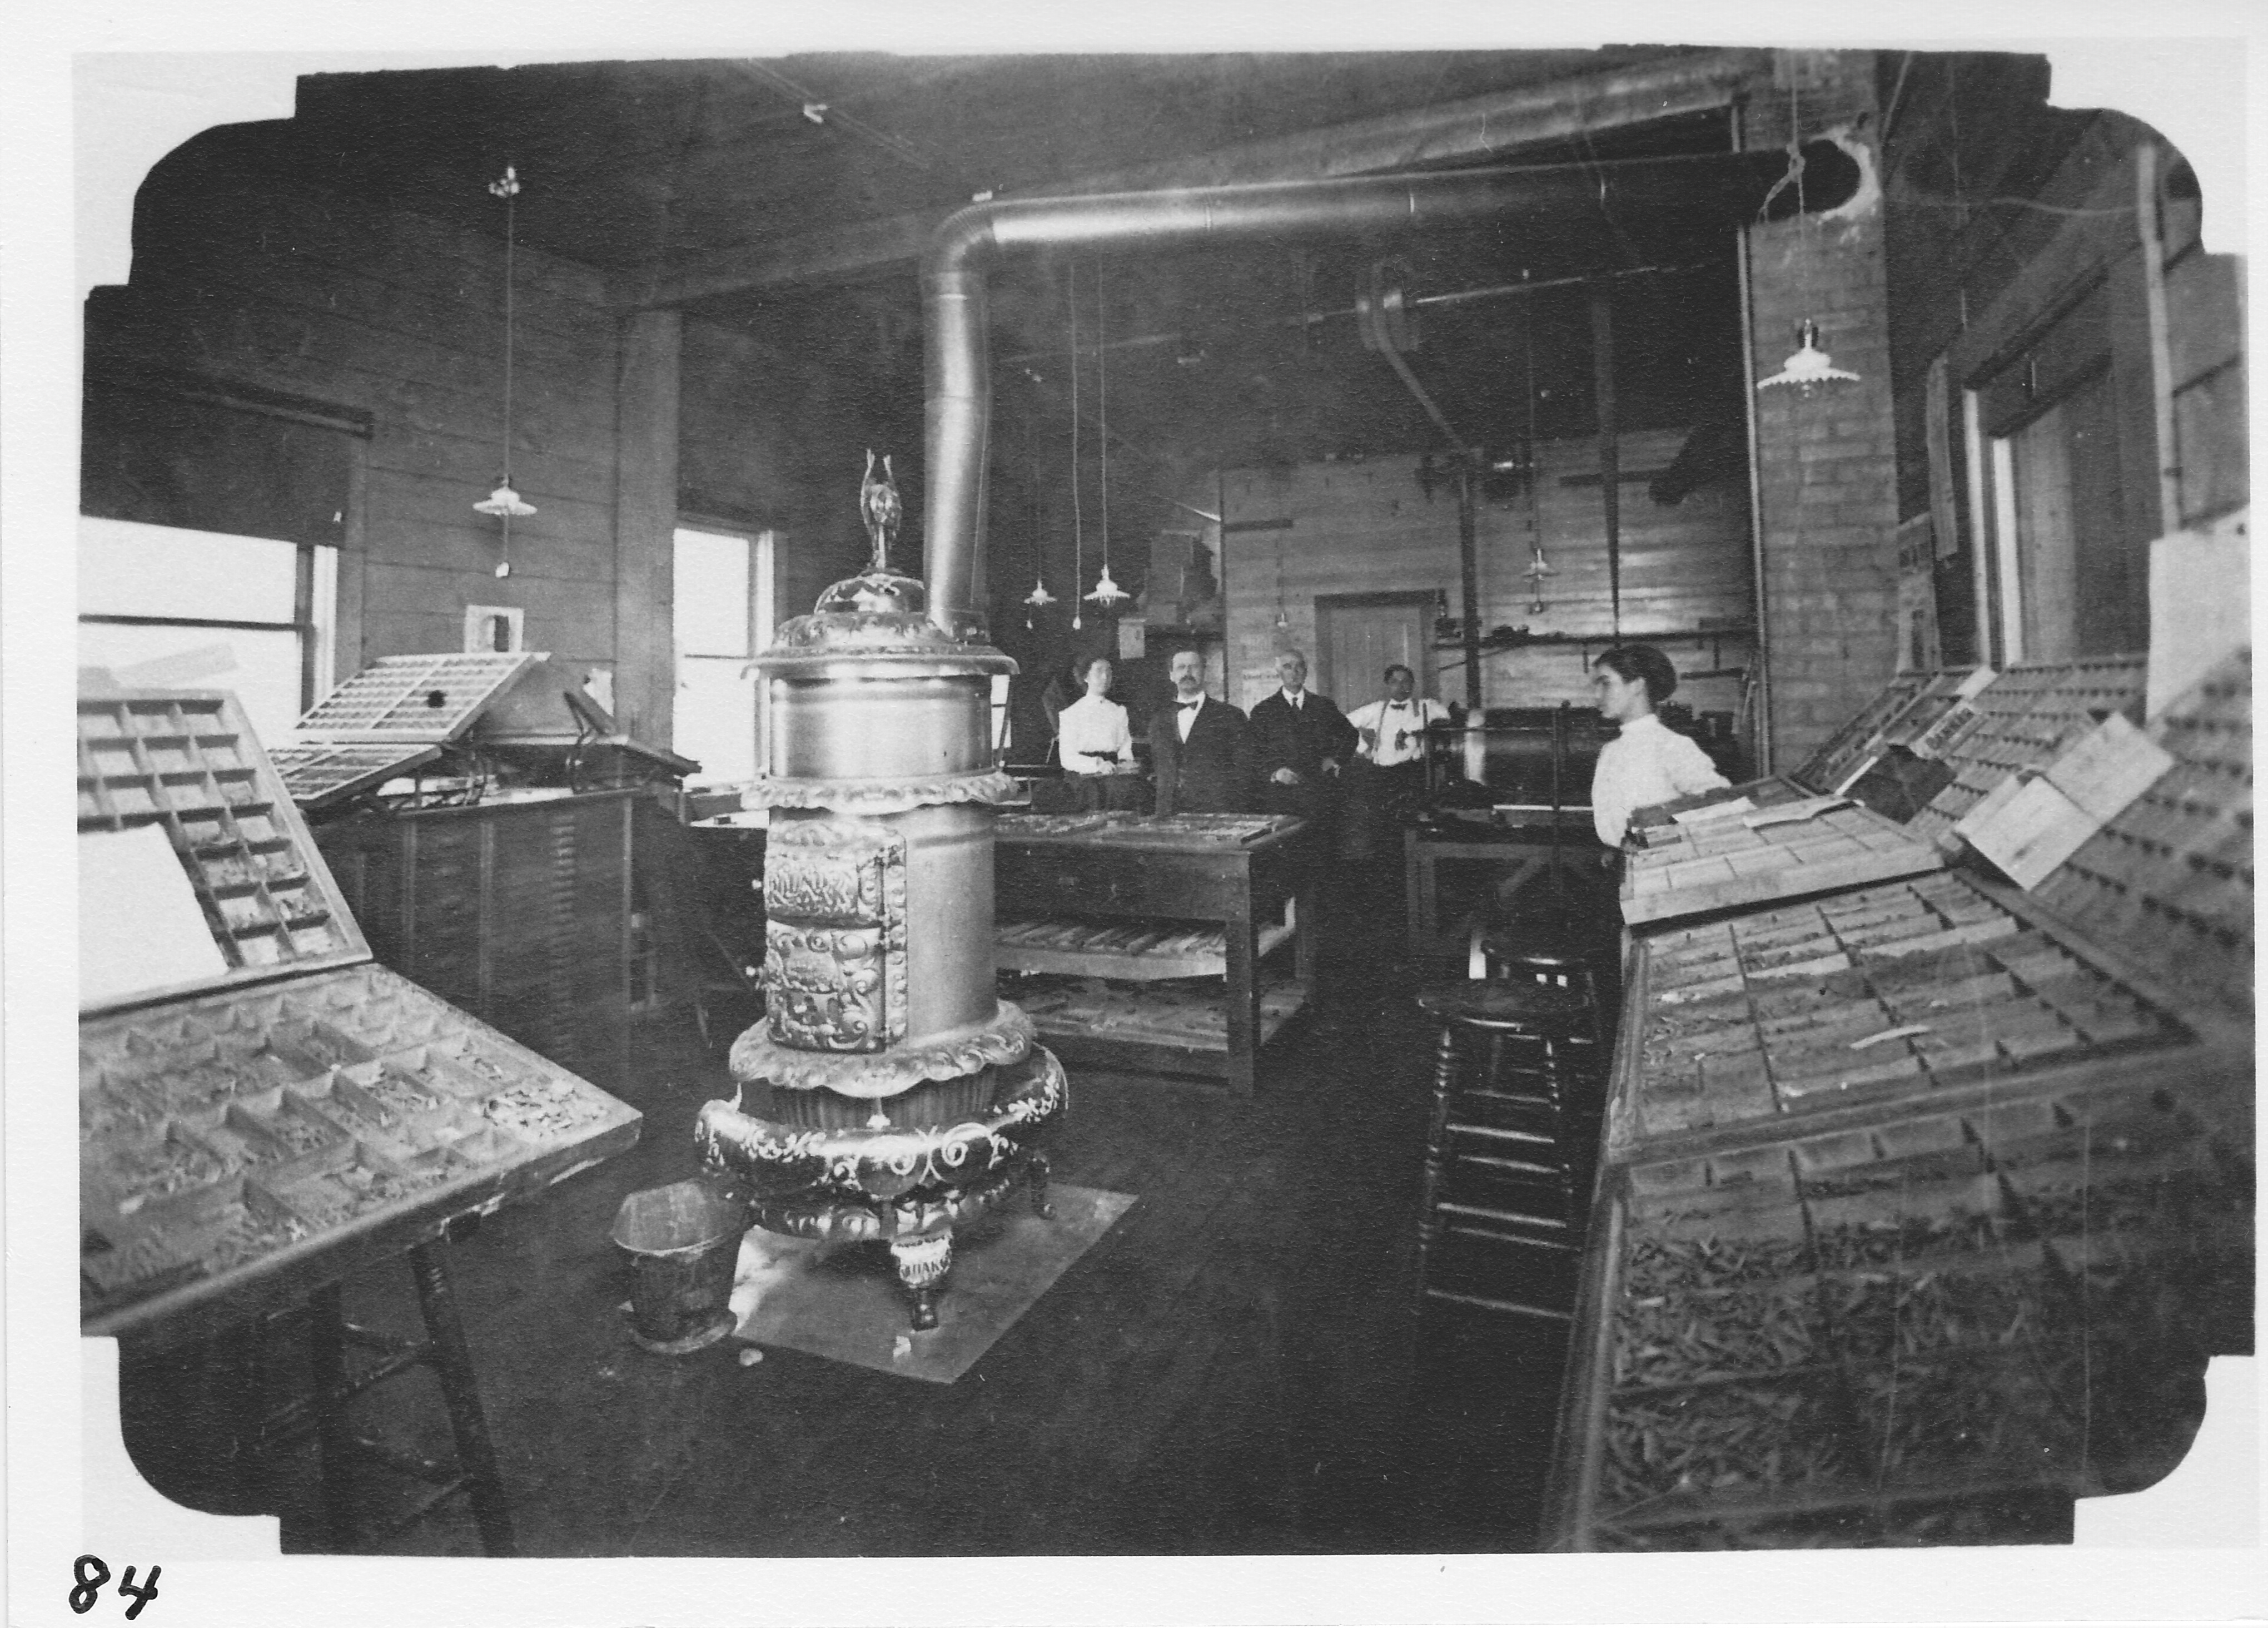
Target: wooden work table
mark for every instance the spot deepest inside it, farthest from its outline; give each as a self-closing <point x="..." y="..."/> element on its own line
<point x="1222" y="898"/>
<point x="1521" y="856"/>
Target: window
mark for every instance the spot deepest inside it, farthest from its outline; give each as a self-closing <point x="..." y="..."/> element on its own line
<point x="722" y="615"/>
<point x="165" y="607"/>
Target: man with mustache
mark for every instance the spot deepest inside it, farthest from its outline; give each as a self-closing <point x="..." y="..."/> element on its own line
<point x="1199" y="748"/>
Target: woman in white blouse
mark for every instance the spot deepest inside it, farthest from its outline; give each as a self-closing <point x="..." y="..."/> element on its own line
<point x="1096" y="747"/>
<point x="1648" y="763"/>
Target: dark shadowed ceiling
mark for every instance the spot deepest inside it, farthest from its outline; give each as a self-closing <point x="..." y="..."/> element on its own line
<point x="626" y="163"/>
<point x="1219" y="356"/>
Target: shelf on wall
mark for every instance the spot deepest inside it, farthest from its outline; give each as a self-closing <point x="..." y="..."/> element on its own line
<point x="1490" y="646"/>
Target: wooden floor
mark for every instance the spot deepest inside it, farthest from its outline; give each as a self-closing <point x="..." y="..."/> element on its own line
<point x="1238" y="1366"/>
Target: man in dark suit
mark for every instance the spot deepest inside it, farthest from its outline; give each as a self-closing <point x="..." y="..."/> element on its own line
<point x="1298" y="742"/>
<point x="1197" y="746"/>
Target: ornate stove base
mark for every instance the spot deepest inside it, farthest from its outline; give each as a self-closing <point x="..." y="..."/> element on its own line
<point x="918" y="1226"/>
<point x="907" y="1184"/>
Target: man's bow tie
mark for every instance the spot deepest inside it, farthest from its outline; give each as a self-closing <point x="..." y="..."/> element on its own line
<point x="1192" y="706"/>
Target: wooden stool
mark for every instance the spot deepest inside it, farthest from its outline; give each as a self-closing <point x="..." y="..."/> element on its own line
<point x="1496" y="1162"/>
<point x="1525" y="955"/>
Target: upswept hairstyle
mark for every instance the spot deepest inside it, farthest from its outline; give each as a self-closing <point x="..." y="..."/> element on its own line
<point x="1643" y="664"/>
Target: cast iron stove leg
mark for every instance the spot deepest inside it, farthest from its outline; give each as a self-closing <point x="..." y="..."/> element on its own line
<point x="922" y="1265"/>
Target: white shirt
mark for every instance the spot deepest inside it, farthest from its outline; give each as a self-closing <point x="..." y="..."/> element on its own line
<point x="1088" y="726"/>
<point x="1401" y="726"/>
<point x="1185" y="714"/>
<point x="1292" y="697"/>
<point x="1647" y="763"/>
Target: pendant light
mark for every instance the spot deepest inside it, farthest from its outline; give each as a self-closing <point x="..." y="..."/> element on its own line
<point x="1107" y="593"/>
<point x="505" y="504"/>
<point x="1808" y="367"/>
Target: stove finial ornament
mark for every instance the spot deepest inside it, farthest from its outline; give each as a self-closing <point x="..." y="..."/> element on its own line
<point x="880" y="508"/>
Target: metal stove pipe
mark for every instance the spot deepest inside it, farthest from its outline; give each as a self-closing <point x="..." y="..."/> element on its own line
<point x="1726" y="189"/>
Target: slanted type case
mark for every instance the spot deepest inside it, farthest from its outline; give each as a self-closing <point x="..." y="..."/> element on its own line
<point x="266" y="1122"/>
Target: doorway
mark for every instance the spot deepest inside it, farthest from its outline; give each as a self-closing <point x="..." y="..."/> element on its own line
<point x="2073" y="586"/>
<point x="1357" y="634"/>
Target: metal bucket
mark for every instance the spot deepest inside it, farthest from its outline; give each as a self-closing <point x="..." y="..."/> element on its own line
<point x="683" y="1241"/>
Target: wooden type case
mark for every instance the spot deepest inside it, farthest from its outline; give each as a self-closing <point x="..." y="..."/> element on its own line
<point x="1892" y="1000"/>
<point x="246" y="1137"/>
<point x="1941" y="1328"/>
<point x="1728" y="863"/>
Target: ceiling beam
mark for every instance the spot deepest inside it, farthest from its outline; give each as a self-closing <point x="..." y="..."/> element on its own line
<point x="1473" y="127"/>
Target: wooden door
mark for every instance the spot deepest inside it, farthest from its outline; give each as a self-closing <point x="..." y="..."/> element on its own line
<point x="2083" y="589"/>
<point x="1358" y="635"/>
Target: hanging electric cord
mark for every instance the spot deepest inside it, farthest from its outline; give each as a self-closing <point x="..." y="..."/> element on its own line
<point x="1038" y="596"/>
<point x="1538" y="567"/>
<point x="1103" y="412"/>
<point x="1283" y="616"/>
<point x="504" y="503"/>
<point x="1794" y="176"/>
<point x="510" y="193"/>
<point x="1808" y="366"/>
<point x="1138" y="450"/>
<point x="1078" y="542"/>
<point x="1107" y="593"/>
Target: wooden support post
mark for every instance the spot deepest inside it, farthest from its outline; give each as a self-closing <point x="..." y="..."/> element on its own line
<point x="1468" y="562"/>
<point x="645" y="522"/>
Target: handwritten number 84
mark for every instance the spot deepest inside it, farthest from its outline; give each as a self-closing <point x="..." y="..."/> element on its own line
<point x="92" y="1574"/>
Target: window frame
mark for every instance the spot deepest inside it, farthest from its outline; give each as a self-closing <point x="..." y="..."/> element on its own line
<point x="763" y="545"/>
<point x="313" y="623"/>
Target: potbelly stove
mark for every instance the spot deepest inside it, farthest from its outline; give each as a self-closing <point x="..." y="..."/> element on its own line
<point x="890" y="1093"/>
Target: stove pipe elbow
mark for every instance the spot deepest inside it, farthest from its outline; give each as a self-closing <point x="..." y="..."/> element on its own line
<point x="1730" y="189"/>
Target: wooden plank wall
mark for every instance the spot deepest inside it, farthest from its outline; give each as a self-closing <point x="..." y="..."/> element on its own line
<point x="740" y="420"/>
<point x="345" y="301"/>
<point x="1368" y="528"/>
<point x="370" y="307"/>
<point x="774" y="427"/>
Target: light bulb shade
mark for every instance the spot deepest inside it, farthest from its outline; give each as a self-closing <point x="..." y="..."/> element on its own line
<point x="1810" y="366"/>
<point x="1108" y="592"/>
<point x="1039" y="595"/>
<point x="502" y="501"/>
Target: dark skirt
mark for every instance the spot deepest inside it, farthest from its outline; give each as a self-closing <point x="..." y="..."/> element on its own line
<point x="1097" y="793"/>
